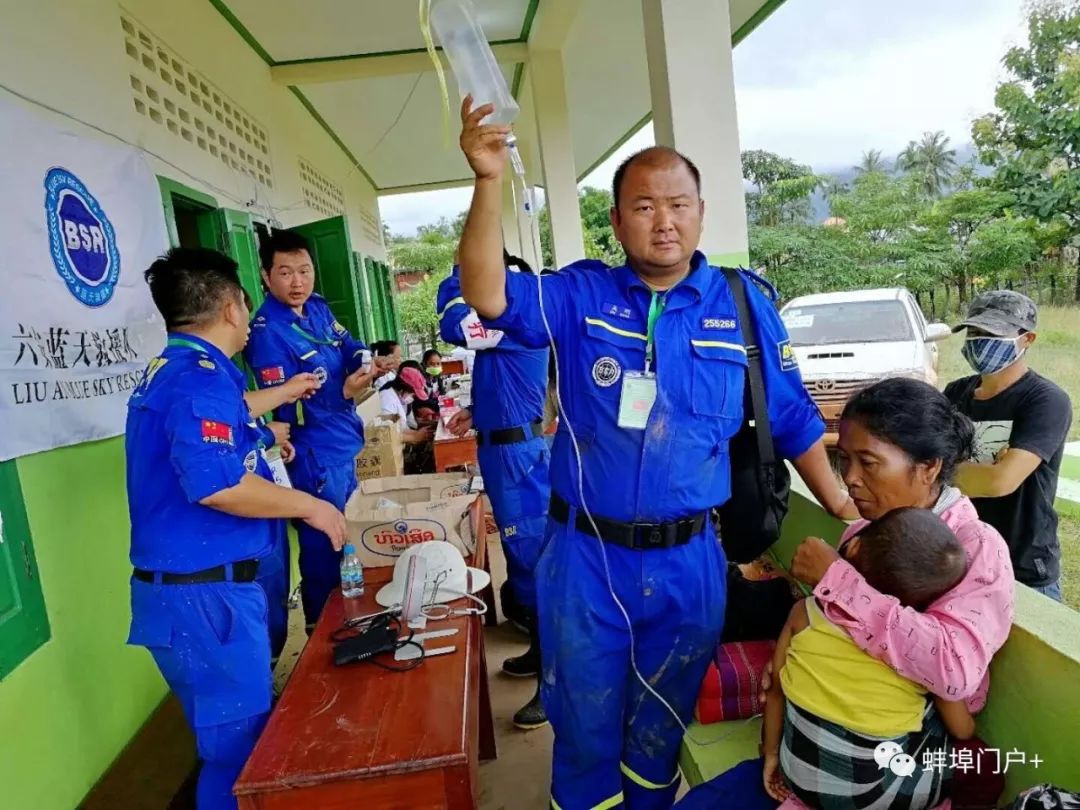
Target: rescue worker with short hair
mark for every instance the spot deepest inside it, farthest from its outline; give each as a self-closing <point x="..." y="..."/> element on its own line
<point x="652" y="363"/>
<point x="294" y="331"/>
<point x="204" y="516"/>
<point x="508" y="389"/>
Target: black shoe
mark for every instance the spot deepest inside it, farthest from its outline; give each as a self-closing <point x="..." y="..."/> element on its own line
<point x="532" y="714"/>
<point x="526" y="665"/>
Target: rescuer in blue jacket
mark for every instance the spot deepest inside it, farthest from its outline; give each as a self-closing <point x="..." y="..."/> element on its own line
<point x="294" y="331"/>
<point x="652" y="363"/>
<point x="509" y="383"/>
<point x="204" y="514"/>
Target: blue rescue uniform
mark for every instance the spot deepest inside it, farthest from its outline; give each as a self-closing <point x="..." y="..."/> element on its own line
<point x="614" y="742"/>
<point x="190" y="435"/>
<point x="508" y="391"/>
<point x="326" y="430"/>
<point x="275" y="580"/>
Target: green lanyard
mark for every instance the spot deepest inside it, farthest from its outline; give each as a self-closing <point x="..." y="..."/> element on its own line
<point x="656" y="306"/>
<point x="321" y="341"/>
<point x="188" y="344"/>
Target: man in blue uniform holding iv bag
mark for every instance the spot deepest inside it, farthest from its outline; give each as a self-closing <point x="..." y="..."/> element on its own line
<point x="652" y="363"/>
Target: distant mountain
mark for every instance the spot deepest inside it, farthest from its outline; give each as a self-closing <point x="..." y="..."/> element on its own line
<point x="845" y="174"/>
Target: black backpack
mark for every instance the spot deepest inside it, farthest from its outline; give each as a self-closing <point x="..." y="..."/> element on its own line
<point x="760" y="483"/>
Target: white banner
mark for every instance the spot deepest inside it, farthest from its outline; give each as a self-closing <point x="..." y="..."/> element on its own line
<point x="80" y="220"/>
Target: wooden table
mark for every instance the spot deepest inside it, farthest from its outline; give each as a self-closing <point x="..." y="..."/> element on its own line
<point x="452" y="453"/>
<point x="359" y="736"/>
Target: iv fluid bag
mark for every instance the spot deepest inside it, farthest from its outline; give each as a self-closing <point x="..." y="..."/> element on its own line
<point x="474" y="66"/>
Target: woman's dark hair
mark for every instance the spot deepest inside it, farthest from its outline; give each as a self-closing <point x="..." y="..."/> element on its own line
<point x="911" y="554"/>
<point x="428" y="355"/>
<point x="917" y="418"/>
<point x="410" y="364"/>
<point x="399" y="385"/>
<point x="384" y="348"/>
<point x="510" y="260"/>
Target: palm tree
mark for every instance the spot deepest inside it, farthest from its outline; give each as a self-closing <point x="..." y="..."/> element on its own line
<point x="931" y="160"/>
<point x="834" y="187"/>
<point x="872" y="161"/>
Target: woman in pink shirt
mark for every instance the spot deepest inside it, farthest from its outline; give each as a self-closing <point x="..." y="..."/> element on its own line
<point x="900" y="443"/>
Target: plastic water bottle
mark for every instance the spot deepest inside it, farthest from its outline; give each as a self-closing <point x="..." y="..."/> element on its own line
<point x="352" y="574"/>
<point x="471" y="59"/>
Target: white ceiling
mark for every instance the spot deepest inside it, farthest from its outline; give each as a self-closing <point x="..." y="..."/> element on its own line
<point x="309" y="29"/>
<point x="393" y="125"/>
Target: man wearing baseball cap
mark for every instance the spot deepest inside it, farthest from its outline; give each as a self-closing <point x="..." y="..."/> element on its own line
<point x="1021" y="422"/>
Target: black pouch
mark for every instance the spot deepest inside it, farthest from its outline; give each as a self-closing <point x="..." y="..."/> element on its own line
<point x="379" y="638"/>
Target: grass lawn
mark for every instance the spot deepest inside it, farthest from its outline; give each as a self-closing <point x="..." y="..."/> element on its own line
<point x="1055" y="355"/>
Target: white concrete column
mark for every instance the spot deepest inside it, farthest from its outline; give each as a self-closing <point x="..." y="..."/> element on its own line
<point x="557" y="154"/>
<point x="688" y="44"/>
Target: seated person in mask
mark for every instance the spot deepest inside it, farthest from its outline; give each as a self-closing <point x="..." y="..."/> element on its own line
<point x="396" y="399"/>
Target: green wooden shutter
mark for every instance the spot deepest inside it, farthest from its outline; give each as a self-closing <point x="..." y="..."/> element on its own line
<point x="389" y="304"/>
<point x="234" y="235"/>
<point x="367" y="306"/>
<point x="335" y="276"/>
<point x="24" y="625"/>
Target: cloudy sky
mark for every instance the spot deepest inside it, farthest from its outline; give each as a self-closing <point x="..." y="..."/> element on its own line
<point x="821" y="81"/>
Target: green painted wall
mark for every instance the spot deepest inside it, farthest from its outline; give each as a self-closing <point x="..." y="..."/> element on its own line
<point x="71" y="707"/>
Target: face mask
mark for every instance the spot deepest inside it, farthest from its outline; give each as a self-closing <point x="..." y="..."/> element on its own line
<point x="989" y="355"/>
<point x="434" y="371"/>
<point x="407" y="401"/>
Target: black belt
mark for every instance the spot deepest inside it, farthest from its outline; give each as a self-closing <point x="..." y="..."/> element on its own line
<point x="510" y="435"/>
<point x="242" y="571"/>
<point x="632" y="535"/>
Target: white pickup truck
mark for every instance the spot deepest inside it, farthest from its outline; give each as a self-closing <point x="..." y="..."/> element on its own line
<point x="845" y="341"/>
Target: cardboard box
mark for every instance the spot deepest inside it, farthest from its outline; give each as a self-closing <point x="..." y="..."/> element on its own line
<point x="380" y="535"/>
<point x="383" y="453"/>
<point x="436" y="487"/>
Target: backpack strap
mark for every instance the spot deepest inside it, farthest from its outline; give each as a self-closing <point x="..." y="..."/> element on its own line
<point x="762" y="427"/>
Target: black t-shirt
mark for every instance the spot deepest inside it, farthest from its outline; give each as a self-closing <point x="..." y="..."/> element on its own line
<point x="1033" y="414"/>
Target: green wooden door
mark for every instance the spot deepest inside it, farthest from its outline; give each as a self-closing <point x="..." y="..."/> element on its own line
<point x="233" y="234"/>
<point x="335" y="277"/>
<point x="24" y="626"/>
<point x="363" y="296"/>
<point x="382" y="301"/>
<point x="390" y="319"/>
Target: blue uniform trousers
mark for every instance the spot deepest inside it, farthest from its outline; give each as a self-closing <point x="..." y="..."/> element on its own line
<point x="739" y="788"/>
<point x="320" y="565"/>
<point x="516" y="482"/>
<point x="211" y="644"/>
<point x="274" y="579"/>
<point x="616" y="744"/>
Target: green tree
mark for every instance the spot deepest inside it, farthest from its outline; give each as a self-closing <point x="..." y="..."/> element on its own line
<point x="872" y="162"/>
<point x="931" y="161"/>
<point x="956" y="219"/>
<point x="782" y="188"/>
<point x="431" y="250"/>
<point x="802" y="259"/>
<point x="879" y="208"/>
<point x="1033" y="137"/>
<point x="416" y="308"/>
<point x="1002" y="249"/>
<point x="600" y="242"/>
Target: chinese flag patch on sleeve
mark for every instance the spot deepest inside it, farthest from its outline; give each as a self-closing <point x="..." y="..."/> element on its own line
<point x="216" y="432"/>
<point x="273" y="375"/>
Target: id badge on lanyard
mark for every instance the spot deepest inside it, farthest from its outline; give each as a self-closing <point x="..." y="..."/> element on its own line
<point x="639" y="387"/>
<point x="277" y="466"/>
